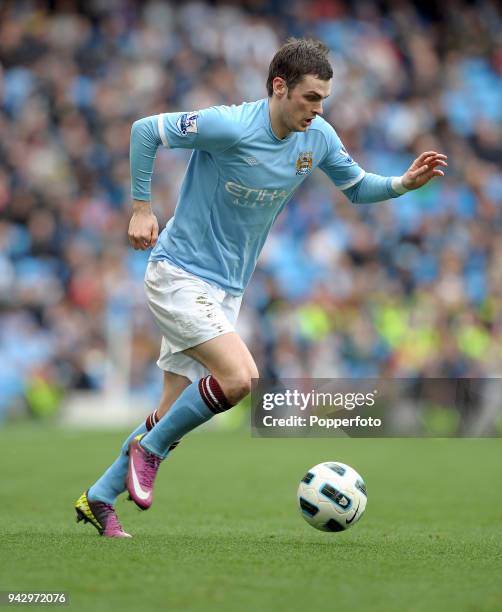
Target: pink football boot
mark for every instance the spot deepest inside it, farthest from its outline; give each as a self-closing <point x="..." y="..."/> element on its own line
<point x="100" y="515"/>
<point x="143" y="467"/>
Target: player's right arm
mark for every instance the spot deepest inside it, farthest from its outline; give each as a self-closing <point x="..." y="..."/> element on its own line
<point x="212" y="129"/>
<point x="143" y="227"/>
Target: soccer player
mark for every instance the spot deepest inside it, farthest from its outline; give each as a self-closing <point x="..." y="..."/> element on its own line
<point x="246" y="164"/>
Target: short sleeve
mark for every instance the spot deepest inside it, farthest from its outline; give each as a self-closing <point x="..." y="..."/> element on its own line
<point x="212" y="129"/>
<point x="337" y="163"/>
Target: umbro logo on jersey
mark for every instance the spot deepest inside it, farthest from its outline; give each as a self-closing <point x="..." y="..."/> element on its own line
<point x="251" y="161"/>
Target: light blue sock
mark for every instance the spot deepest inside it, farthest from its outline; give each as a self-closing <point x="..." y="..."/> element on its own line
<point x="113" y="481"/>
<point x="188" y="412"/>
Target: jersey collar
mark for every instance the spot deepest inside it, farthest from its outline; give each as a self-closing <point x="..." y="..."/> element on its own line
<point x="268" y="124"/>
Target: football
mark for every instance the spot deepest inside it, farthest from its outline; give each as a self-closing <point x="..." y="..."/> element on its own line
<point x="332" y="496"/>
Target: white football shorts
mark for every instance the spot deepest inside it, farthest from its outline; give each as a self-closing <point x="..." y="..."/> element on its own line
<point x="188" y="311"/>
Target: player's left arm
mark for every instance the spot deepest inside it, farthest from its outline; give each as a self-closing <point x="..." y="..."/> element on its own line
<point x="364" y="187"/>
<point x="427" y="165"/>
<point x="372" y="187"/>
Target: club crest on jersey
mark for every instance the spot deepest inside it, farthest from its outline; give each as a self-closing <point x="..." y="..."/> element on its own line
<point x="304" y="162"/>
<point x="187" y="123"/>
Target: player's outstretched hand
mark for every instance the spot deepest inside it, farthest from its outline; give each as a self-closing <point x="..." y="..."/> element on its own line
<point x="426" y="166"/>
<point x="143" y="226"/>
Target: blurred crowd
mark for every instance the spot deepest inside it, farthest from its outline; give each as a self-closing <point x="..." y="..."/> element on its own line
<point x="406" y="288"/>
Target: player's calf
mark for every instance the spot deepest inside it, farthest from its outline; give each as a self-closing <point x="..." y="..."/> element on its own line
<point x="199" y="402"/>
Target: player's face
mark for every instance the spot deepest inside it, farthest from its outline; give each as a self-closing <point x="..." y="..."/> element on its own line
<point x="304" y="102"/>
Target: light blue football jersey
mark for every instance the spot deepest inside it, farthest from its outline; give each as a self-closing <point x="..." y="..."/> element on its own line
<point x="239" y="178"/>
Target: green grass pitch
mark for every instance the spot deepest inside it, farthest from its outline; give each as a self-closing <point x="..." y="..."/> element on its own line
<point x="224" y="533"/>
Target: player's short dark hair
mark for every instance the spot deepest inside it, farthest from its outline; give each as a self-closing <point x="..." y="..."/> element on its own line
<point x="296" y="58"/>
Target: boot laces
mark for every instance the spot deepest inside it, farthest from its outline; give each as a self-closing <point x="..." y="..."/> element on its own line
<point x="149" y="471"/>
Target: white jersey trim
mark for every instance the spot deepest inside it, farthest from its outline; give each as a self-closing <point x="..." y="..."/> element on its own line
<point x="397" y="185"/>
<point x="162" y="132"/>
<point x="353" y="182"/>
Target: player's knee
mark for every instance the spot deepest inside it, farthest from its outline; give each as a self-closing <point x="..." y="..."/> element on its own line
<point x="235" y="390"/>
<point x="239" y="385"/>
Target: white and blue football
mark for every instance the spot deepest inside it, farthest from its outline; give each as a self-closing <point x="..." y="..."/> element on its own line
<point x="332" y="496"/>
